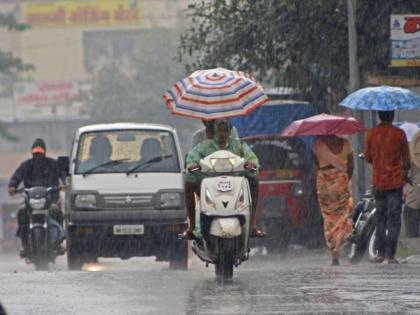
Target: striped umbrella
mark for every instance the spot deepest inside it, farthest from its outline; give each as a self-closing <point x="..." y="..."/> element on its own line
<point x="215" y="93"/>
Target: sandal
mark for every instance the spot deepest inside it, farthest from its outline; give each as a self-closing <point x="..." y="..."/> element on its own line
<point x="257" y="233"/>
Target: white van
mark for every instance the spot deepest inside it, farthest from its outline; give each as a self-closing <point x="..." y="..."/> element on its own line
<point x="125" y="194"/>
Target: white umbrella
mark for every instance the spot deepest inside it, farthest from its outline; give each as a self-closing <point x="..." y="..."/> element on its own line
<point x="410" y="129"/>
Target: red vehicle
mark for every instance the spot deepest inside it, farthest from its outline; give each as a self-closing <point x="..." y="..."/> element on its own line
<point x="287" y="207"/>
<point x="286" y="188"/>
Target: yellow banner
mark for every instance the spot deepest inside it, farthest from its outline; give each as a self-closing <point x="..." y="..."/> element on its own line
<point x="405" y="63"/>
<point x="80" y="13"/>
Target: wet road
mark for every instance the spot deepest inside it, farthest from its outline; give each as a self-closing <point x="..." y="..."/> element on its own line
<point x="301" y="283"/>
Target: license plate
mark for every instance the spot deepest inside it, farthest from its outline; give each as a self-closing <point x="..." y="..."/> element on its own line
<point x="129" y="229"/>
<point x="224" y="185"/>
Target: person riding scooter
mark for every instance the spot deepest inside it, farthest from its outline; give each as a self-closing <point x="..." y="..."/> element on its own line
<point x="221" y="141"/>
<point x="37" y="171"/>
<point x="208" y="133"/>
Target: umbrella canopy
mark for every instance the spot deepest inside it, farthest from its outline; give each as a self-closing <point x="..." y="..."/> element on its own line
<point x="323" y="124"/>
<point x="215" y="93"/>
<point x="410" y="129"/>
<point x="382" y="98"/>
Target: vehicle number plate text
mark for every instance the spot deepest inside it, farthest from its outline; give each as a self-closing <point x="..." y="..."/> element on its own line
<point x="224" y="185"/>
<point x="129" y="229"/>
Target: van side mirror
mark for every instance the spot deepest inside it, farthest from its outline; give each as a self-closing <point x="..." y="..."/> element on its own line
<point x="63" y="163"/>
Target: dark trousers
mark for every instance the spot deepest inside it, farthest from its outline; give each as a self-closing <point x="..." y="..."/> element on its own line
<point x="388" y="218"/>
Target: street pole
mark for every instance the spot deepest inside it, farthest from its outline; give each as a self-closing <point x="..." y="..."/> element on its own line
<point x="354" y="84"/>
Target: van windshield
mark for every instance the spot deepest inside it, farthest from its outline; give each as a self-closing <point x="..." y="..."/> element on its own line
<point x="127" y="151"/>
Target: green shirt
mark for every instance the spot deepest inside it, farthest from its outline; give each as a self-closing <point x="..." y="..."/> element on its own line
<point x="207" y="147"/>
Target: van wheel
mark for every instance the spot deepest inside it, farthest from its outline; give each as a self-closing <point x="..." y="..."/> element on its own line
<point x="74" y="254"/>
<point x="179" y="256"/>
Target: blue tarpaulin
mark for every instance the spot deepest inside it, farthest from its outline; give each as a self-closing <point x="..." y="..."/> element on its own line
<point x="272" y="117"/>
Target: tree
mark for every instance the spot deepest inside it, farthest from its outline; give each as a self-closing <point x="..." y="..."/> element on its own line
<point x="300" y="44"/>
<point x="10" y="66"/>
<point x="113" y="94"/>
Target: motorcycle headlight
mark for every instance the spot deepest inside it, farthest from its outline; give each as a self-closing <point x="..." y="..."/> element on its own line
<point x="209" y="200"/>
<point x="37" y="204"/>
<point x="240" y="202"/>
<point x="170" y="200"/>
<point x="85" y="201"/>
<point x="297" y="190"/>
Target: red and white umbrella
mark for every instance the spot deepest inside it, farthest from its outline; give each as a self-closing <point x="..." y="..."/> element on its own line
<point x="215" y="93"/>
<point x="323" y="124"/>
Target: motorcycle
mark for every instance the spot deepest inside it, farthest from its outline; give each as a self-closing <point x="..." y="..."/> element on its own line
<point x="221" y="234"/>
<point x="364" y="235"/>
<point x="44" y="233"/>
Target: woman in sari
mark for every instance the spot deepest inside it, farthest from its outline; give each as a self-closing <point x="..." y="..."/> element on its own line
<point x="334" y="160"/>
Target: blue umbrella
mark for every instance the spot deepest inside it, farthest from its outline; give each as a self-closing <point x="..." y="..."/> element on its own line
<point x="382" y="98"/>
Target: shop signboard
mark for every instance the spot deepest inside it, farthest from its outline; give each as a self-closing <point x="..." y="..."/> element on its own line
<point x="405" y="40"/>
<point x="46" y="100"/>
<point x="82" y="13"/>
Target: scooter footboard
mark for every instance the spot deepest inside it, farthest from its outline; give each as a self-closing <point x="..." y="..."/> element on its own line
<point x="229" y="227"/>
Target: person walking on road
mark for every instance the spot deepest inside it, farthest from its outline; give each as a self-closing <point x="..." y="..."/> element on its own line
<point x="334" y="159"/>
<point x="386" y="148"/>
<point x="411" y="211"/>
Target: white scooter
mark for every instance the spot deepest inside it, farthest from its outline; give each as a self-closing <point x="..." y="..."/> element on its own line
<point x="223" y="212"/>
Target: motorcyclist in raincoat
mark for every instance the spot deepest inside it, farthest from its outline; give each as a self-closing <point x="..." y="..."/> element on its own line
<point x="36" y="171"/>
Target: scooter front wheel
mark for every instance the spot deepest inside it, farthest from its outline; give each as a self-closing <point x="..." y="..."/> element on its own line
<point x="224" y="266"/>
<point x="226" y="258"/>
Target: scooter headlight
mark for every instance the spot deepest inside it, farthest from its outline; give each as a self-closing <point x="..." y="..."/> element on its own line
<point x="37" y="204"/>
<point x="240" y="202"/>
<point x="209" y="200"/>
<point x="213" y="162"/>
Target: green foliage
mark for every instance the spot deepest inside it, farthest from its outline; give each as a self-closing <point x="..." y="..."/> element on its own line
<point x="113" y="94"/>
<point x="8" y="20"/>
<point x="300" y="44"/>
